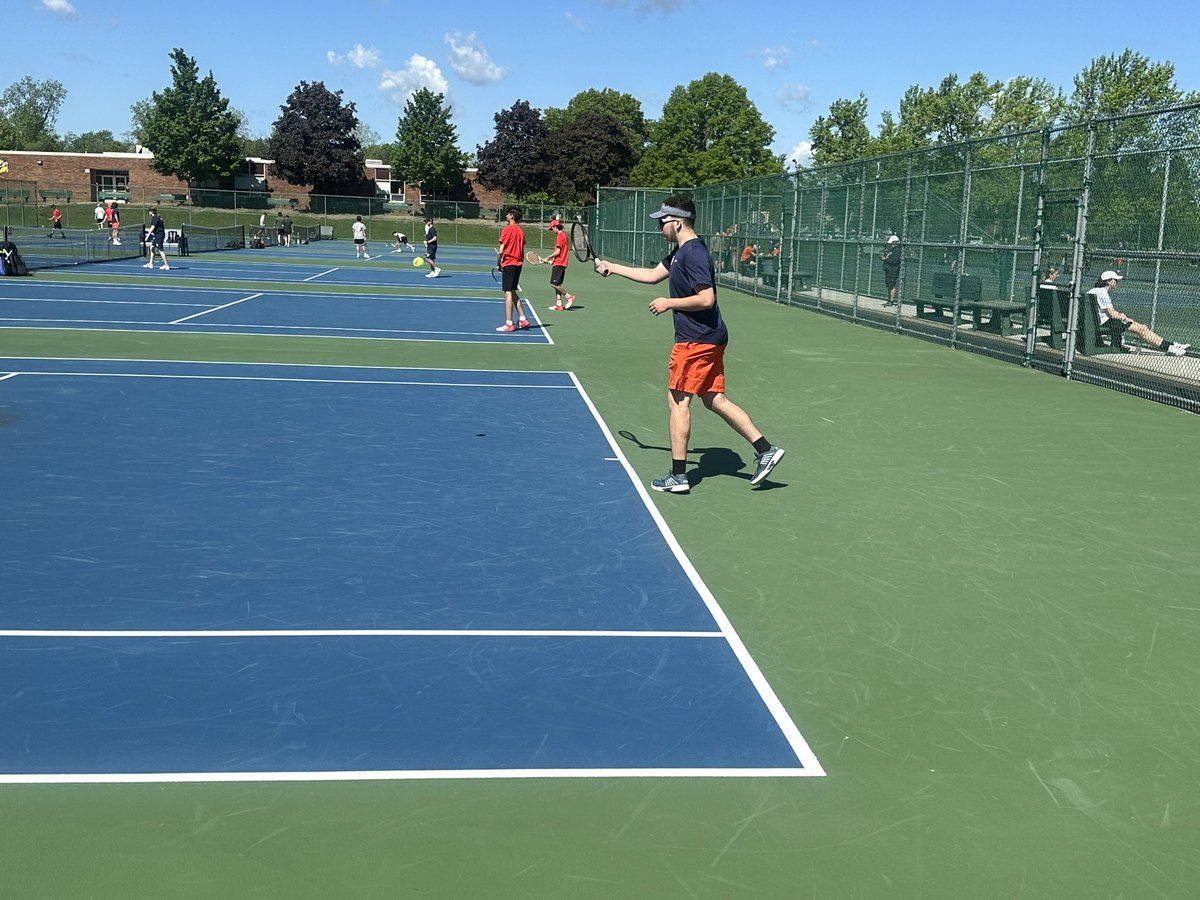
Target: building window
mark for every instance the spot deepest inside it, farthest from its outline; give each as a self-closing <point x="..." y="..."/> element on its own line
<point x="106" y="183"/>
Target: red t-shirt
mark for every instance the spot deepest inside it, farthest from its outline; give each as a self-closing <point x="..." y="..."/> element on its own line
<point x="512" y="245"/>
<point x="559" y="257"/>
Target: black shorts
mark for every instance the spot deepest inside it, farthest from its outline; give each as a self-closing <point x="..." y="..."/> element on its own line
<point x="890" y="276"/>
<point x="558" y="275"/>
<point x="510" y="278"/>
<point x="431" y="251"/>
<point x="360" y="241"/>
<point x="1115" y="327"/>
<point x="156" y="240"/>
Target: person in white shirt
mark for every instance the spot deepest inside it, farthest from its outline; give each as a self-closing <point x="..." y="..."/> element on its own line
<point x="359" y="230"/>
<point x="1117" y="323"/>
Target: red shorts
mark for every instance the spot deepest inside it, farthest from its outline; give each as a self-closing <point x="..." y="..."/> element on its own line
<point x="697" y="368"/>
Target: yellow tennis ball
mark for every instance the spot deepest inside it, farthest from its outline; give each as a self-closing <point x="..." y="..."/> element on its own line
<point x="418" y="262"/>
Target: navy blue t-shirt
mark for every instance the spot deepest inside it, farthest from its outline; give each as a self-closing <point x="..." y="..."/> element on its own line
<point x="690" y="268"/>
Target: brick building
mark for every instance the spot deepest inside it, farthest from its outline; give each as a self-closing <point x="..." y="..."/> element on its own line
<point x="127" y="176"/>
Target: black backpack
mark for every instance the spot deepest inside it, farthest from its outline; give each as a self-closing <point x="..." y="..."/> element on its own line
<point x="11" y="260"/>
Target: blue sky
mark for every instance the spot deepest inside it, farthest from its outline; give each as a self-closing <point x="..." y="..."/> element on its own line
<point x="794" y="59"/>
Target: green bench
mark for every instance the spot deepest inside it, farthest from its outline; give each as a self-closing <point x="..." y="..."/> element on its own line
<point x="397" y="206"/>
<point x="14" y="194"/>
<point x="282" y="201"/>
<point x="56" y="195"/>
<point x="170" y="198"/>
<point x="1000" y="312"/>
<point x="114" y="195"/>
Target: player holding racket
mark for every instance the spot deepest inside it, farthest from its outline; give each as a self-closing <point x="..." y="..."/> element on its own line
<point x="558" y="267"/>
<point x="697" y="367"/>
<point x="431" y="248"/>
<point x="509" y="259"/>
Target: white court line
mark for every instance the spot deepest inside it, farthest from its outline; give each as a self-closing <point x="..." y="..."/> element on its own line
<point x="110" y="302"/>
<point x="205" y="312"/>
<point x="240" y="364"/>
<point x="799" y="745"/>
<point x="451" y="384"/>
<point x="397" y="775"/>
<point x="352" y="632"/>
<point x="321" y="274"/>
<point x="9" y="375"/>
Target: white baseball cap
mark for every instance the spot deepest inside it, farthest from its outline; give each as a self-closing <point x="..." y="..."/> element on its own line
<point x="893" y="239"/>
<point x="1110" y="275"/>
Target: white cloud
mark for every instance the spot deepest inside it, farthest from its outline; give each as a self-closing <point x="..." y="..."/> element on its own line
<point x="576" y="21"/>
<point x="470" y="61"/>
<point x="776" y="58"/>
<point x="801" y="155"/>
<point x="359" y="56"/>
<point x="794" y="96"/>
<point x="59" y="6"/>
<point x="418" y="73"/>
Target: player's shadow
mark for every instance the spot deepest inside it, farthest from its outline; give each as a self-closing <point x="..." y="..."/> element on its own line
<point x="712" y="461"/>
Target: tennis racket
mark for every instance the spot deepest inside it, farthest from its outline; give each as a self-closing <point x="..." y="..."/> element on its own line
<point x="580" y="243"/>
<point x="532" y="258"/>
<point x="496" y="274"/>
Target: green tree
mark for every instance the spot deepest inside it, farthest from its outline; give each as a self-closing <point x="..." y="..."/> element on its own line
<point x="28" y="110"/>
<point x="189" y="126"/>
<point x="313" y="141"/>
<point x="1024" y="103"/>
<point x="517" y="159"/>
<point x="589" y="150"/>
<point x="1118" y="84"/>
<point x="426" y="149"/>
<point x="710" y="131"/>
<point x="93" y="142"/>
<point x="949" y="113"/>
<point x="625" y="109"/>
<point x="843" y="135"/>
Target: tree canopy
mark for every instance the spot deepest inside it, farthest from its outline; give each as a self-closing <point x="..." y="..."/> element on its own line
<point x="314" y="141"/>
<point x="189" y="126"/>
<point x="588" y="151"/>
<point x="426" y="149"/>
<point x="28" y="110"/>
<point x="517" y="159"/>
<point x="710" y="131"/>
<point x="624" y="109"/>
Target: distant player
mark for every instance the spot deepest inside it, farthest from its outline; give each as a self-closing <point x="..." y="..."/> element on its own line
<point x="431" y="249"/>
<point x="401" y="243"/>
<point x="56" y="218"/>
<point x="113" y="218"/>
<point x="156" y="234"/>
<point x="359" y="230"/>
<point x="558" y="268"/>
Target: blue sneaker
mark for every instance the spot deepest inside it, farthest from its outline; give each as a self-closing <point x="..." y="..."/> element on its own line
<point x="764" y="463"/>
<point x="676" y="484"/>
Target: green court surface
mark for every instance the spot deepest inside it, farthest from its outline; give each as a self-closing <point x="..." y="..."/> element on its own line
<point x="974" y="587"/>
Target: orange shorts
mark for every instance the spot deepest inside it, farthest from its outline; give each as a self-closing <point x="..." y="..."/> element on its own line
<point x="697" y="368"/>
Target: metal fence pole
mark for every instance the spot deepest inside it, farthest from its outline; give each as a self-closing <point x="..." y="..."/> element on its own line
<point x="1080" y="249"/>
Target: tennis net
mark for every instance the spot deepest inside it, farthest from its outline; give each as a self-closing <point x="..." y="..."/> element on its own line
<point x="206" y="239"/>
<point x="49" y="248"/>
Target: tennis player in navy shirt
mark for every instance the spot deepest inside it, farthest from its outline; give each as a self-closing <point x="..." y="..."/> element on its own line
<point x="697" y="365"/>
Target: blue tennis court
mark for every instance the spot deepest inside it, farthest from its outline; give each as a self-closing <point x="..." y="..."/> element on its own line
<point x="163" y="305"/>
<point x="239" y="572"/>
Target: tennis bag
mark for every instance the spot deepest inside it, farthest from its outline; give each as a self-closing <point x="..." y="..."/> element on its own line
<point x="11" y="260"/>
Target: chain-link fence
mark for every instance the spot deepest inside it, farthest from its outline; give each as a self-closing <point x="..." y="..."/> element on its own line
<point x="1003" y="243"/>
<point x="27" y="204"/>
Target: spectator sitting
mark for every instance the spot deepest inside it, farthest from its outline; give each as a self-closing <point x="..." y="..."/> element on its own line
<point x="1116" y="323"/>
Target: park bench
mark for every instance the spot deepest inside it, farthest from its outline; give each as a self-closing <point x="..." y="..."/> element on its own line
<point x="1092" y="338"/>
<point x="1000" y="312"/>
<point x="14" y="194"/>
<point x="282" y="201"/>
<point x="65" y="196"/>
<point x="768" y="270"/>
<point x="397" y="206"/>
<point x="114" y="195"/>
<point x="170" y="198"/>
